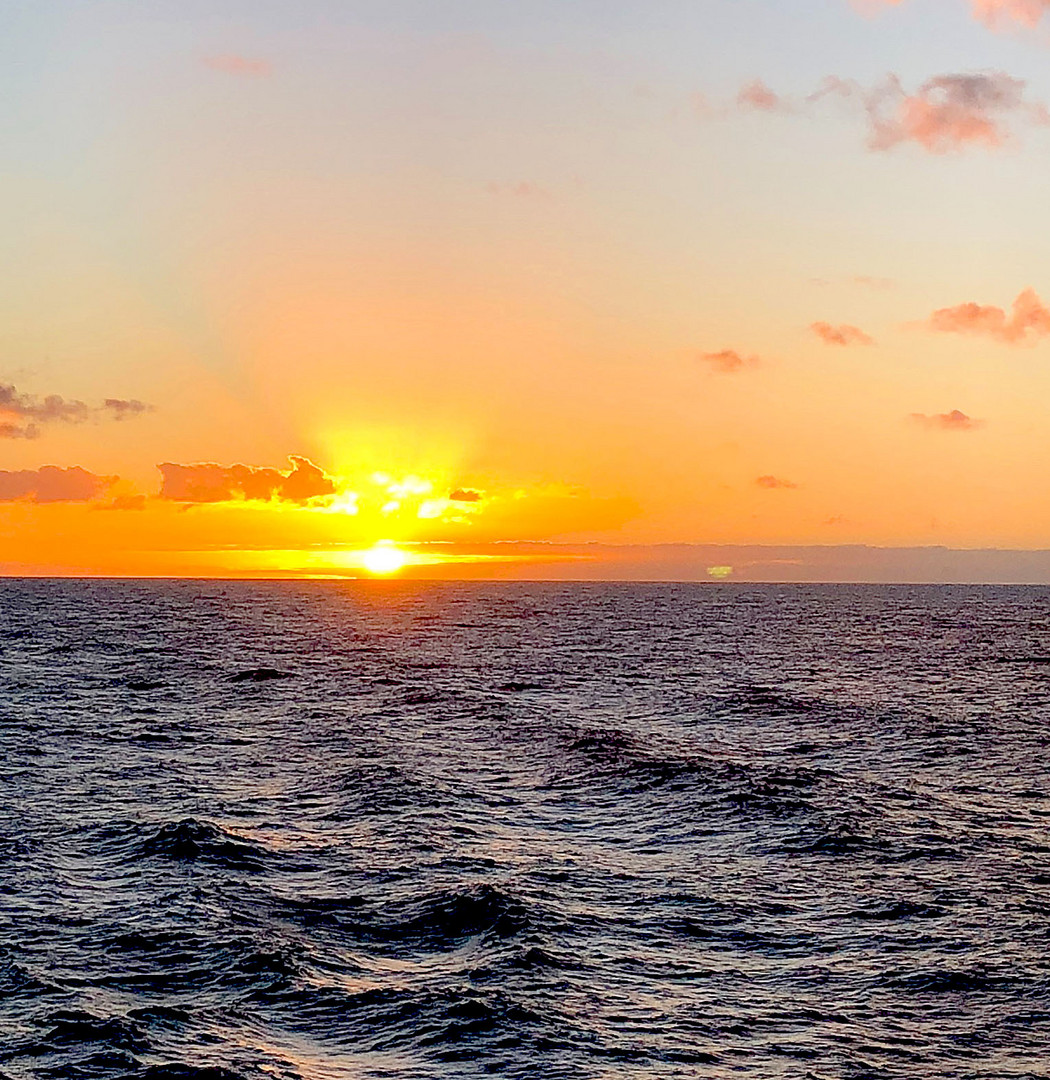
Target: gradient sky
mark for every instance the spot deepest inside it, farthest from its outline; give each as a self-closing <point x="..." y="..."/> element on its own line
<point x="714" y="272"/>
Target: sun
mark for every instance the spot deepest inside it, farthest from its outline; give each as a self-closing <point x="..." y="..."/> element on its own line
<point x="384" y="558"/>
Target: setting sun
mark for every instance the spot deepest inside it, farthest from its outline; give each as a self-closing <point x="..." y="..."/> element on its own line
<point x="384" y="558"/>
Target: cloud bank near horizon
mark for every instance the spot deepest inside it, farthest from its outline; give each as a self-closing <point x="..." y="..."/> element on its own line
<point x="53" y="484"/>
<point x="207" y="482"/>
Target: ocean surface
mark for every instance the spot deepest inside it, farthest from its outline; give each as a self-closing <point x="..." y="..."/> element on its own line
<point x="391" y="829"/>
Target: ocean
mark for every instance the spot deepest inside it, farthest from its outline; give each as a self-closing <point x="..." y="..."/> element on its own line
<point x="328" y="830"/>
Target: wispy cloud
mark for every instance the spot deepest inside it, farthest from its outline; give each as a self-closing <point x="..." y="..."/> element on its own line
<point x="1028" y="321"/>
<point x="206" y="482"/>
<point x="863" y="281"/>
<point x="123" y="408"/>
<point x="949" y="421"/>
<point x="22" y="415"/>
<point x="775" y="483"/>
<point x="728" y="361"/>
<point x="866" y="281"/>
<point x="52" y="484"/>
<point x="843" y="334"/>
<point x="244" y="66"/>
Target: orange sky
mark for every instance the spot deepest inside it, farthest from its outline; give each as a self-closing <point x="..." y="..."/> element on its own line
<point x="527" y="292"/>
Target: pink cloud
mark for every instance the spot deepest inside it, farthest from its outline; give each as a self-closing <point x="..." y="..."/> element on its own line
<point x="993" y="12"/>
<point x="757" y="95"/>
<point x="775" y="483"/>
<point x="1027" y="323"/>
<point x="232" y="64"/>
<point x="728" y="361"/>
<point x="1027" y="12"/>
<point x="949" y="421"/>
<point x="949" y="112"/>
<point x="946" y="113"/>
<point x="841" y="335"/>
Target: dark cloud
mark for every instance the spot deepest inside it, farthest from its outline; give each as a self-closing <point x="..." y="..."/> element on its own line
<point x="51" y="484"/>
<point x="21" y="415"/>
<point x="206" y="482"/>
<point x="466" y="495"/>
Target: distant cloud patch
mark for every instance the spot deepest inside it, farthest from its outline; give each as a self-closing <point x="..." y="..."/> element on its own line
<point x="126" y="502"/>
<point x="123" y="408"/>
<point x="864" y="281"/>
<point x="206" y="482"/>
<point x="946" y="113"/>
<point x="1026" y="323"/>
<point x="521" y="189"/>
<point x="775" y="483"/>
<point x="22" y="415"/>
<point x="728" y="361"/>
<point x="244" y="66"/>
<point x="841" y="335"/>
<point x="949" y="421"/>
<point x="1027" y="12"/>
<point x="53" y="484"/>
<point x="465" y="495"/>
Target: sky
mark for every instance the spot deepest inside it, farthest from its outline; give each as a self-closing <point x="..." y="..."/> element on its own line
<point x="547" y="288"/>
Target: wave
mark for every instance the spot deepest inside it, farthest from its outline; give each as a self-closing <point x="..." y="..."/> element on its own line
<point x="948" y="982"/>
<point x="76" y="1027"/>
<point x="439" y="920"/>
<point x="260" y="675"/>
<point x="639" y="766"/>
<point x="190" y="840"/>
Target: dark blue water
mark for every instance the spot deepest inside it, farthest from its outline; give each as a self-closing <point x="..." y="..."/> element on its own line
<point x="422" y="830"/>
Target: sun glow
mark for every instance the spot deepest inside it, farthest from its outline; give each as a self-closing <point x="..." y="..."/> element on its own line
<point x="384" y="558"/>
